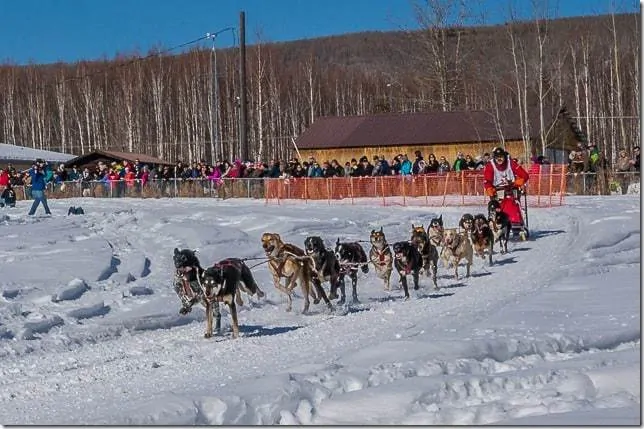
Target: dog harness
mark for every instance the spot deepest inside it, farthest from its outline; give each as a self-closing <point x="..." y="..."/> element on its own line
<point x="278" y="267"/>
<point x="188" y="295"/>
<point x="214" y="295"/>
<point x="381" y="255"/>
<point x="456" y="242"/>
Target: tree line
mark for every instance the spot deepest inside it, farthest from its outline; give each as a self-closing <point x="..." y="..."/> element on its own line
<point x="186" y="106"/>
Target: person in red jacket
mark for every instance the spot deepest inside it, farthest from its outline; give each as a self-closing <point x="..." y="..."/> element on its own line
<point x="501" y="171"/>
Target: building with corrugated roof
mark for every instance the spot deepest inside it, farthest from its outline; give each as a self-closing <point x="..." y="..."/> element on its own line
<point x="441" y="133"/>
<point x="107" y="156"/>
<point x="22" y="157"/>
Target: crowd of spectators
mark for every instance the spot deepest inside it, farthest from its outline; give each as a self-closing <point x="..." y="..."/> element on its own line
<point x="588" y="159"/>
<point x="137" y="174"/>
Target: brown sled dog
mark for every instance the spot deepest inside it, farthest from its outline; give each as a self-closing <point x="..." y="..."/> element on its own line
<point x="288" y="261"/>
<point x="456" y="246"/>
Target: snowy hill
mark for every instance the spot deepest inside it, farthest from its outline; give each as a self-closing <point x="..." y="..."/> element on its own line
<point x="90" y="331"/>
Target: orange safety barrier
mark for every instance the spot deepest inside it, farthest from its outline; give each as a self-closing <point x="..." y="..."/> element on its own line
<point x="545" y="189"/>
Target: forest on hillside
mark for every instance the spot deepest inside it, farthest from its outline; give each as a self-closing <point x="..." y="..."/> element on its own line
<point x="177" y="108"/>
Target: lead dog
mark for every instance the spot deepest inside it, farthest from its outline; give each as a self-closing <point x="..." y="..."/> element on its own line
<point x="221" y="282"/>
<point x="456" y="246"/>
<point x="407" y="260"/>
<point x="427" y="251"/>
<point x="288" y="261"/>
<point x="351" y="257"/>
<point x="380" y="256"/>
<point x="191" y="287"/>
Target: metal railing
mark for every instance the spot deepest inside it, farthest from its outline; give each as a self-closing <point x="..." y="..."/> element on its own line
<point x="256" y="188"/>
<point x="159" y="188"/>
<point x="600" y="183"/>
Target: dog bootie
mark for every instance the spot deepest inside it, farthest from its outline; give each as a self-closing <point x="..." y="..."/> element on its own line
<point x="79" y="211"/>
<point x="71" y="211"/>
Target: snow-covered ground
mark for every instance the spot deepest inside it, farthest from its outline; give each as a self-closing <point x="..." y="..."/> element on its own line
<point x="90" y="331"/>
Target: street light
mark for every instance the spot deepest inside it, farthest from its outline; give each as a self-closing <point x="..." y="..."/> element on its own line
<point x="215" y="88"/>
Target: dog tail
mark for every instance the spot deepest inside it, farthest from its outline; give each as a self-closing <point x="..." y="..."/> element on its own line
<point x="362" y="257"/>
<point x="249" y="280"/>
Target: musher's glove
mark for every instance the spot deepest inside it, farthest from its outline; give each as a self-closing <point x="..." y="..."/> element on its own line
<point x="490" y="192"/>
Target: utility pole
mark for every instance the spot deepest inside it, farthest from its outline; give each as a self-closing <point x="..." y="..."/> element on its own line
<point x="243" y="142"/>
<point x="215" y="148"/>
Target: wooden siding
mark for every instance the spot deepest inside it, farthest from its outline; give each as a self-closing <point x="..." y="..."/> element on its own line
<point x="343" y="155"/>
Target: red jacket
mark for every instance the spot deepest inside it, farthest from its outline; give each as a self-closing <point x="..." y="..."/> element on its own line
<point x="520" y="175"/>
<point x="4" y="178"/>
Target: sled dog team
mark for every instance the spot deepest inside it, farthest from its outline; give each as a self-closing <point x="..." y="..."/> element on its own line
<point x="315" y="264"/>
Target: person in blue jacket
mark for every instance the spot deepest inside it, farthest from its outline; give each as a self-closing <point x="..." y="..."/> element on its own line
<point x="38" y="173"/>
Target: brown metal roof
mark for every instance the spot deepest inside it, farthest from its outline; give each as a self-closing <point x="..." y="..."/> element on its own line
<point x="114" y="156"/>
<point x="401" y="129"/>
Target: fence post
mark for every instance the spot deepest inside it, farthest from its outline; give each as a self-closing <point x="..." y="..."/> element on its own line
<point x="462" y="187"/>
<point x="583" y="177"/>
<point x="375" y="186"/>
<point x="550" y="186"/>
<point x="539" y="186"/>
<point x="404" y="190"/>
<point x="426" y="191"/>
<point x="445" y="188"/>
<point x="562" y="185"/>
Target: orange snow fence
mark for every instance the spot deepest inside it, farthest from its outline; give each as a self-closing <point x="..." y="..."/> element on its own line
<point x="463" y="188"/>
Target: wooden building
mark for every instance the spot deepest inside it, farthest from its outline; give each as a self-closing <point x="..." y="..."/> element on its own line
<point x="91" y="159"/>
<point x="440" y="133"/>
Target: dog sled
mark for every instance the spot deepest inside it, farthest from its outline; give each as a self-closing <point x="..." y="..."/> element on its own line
<point x="514" y="203"/>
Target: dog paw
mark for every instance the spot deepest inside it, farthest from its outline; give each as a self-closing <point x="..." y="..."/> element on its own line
<point x="342" y="301"/>
<point x="316" y="301"/>
<point x="185" y="310"/>
<point x="333" y="296"/>
<point x="207" y="335"/>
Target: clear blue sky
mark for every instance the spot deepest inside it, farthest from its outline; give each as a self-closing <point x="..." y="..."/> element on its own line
<point x="45" y="31"/>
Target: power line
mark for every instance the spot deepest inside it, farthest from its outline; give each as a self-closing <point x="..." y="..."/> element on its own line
<point x="605" y="117"/>
<point x="136" y="60"/>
